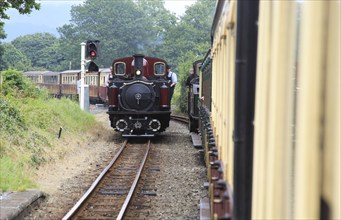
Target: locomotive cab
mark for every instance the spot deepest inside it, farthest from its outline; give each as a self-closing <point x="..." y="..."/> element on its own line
<point x="138" y="96"/>
<point x="193" y="97"/>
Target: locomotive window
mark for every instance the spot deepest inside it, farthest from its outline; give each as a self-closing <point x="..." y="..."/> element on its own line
<point x="120" y="69"/>
<point x="159" y="68"/>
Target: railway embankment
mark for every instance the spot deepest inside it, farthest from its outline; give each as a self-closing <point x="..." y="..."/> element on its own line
<point x="35" y="130"/>
<point x="81" y="153"/>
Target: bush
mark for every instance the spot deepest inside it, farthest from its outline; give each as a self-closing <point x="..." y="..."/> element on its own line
<point x="15" y="84"/>
<point x="29" y="126"/>
<point x="185" y="65"/>
<point x="11" y="120"/>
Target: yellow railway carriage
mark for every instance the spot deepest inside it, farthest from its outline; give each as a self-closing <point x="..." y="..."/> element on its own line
<point x="271" y="127"/>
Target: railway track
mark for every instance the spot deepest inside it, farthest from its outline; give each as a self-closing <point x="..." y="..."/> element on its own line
<point x="179" y="118"/>
<point x="110" y="194"/>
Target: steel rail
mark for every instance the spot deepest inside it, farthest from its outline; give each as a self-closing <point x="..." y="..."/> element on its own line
<point x="179" y="118"/>
<point x="132" y="189"/>
<point x="94" y="184"/>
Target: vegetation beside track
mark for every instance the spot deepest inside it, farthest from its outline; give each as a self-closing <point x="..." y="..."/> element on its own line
<point x="30" y="123"/>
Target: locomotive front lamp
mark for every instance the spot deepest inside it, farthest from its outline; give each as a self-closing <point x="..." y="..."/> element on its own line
<point x="138" y="72"/>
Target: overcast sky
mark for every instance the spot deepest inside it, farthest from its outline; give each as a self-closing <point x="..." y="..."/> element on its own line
<point x="56" y="13"/>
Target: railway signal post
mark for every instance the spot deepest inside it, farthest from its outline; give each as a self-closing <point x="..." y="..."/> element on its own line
<point x="89" y="52"/>
<point x="83" y="63"/>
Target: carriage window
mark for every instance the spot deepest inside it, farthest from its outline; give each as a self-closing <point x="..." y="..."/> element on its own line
<point x="50" y="79"/>
<point x="120" y="68"/>
<point x="159" y="68"/>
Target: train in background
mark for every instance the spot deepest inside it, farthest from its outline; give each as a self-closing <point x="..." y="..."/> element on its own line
<point x="270" y="110"/>
<point x="138" y="93"/>
<point x="135" y="89"/>
<point x="67" y="83"/>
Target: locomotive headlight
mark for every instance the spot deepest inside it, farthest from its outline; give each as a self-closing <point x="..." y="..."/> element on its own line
<point x="138" y="72"/>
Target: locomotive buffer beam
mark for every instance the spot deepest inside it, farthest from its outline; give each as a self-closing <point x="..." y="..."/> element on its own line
<point x="138" y="135"/>
<point x="140" y="113"/>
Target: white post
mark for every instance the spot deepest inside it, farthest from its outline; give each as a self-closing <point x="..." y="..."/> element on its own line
<point x="83" y="62"/>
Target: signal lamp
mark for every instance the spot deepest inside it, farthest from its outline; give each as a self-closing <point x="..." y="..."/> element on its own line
<point x="93" y="54"/>
<point x="92" y="48"/>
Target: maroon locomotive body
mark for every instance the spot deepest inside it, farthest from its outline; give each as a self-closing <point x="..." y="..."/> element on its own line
<point x="138" y="96"/>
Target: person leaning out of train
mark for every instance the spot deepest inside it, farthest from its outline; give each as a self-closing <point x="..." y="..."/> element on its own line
<point x="190" y="77"/>
<point x="172" y="79"/>
<point x="109" y="77"/>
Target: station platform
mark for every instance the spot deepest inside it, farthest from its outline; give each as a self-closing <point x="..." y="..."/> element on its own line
<point x="14" y="205"/>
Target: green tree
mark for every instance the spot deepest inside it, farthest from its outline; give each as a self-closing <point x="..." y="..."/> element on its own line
<point x="41" y="48"/>
<point x="14" y="59"/>
<point x="23" y="6"/>
<point x="70" y="46"/>
<point x="2" y="31"/>
<point x="193" y="32"/>
<point x="2" y="36"/>
<point x="160" y="21"/>
<point x="53" y="58"/>
<point x="185" y="64"/>
<point x="123" y="27"/>
<point x="189" y="41"/>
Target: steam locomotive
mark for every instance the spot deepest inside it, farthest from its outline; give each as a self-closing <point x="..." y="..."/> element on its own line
<point x="138" y="96"/>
